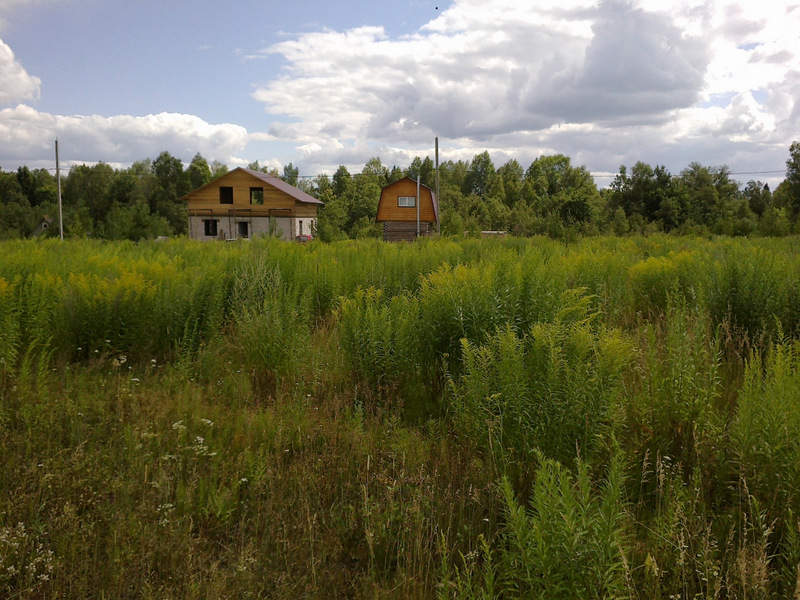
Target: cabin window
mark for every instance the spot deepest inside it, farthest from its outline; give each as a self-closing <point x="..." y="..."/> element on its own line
<point x="407" y="201"/>
<point x="225" y="195"/>
<point x="256" y="195"/>
<point x="210" y="227"/>
<point x="243" y="229"/>
<point x="300" y="223"/>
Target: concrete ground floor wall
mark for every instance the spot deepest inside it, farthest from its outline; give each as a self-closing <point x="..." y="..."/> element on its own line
<point x="229" y="228"/>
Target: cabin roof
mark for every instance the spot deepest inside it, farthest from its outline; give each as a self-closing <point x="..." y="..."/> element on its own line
<point x="434" y="199"/>
<point x="275" y="182"/>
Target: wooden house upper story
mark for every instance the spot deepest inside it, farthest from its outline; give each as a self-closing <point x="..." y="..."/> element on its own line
<point x="244" y="192"/>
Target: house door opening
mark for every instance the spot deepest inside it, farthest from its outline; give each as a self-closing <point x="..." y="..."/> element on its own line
<point x="244" y="230"/>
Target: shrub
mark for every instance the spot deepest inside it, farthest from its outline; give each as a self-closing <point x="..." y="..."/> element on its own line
<point x="766" y="430"/>
<point x="673" y="391"/>
<point x="568" y="543"/>
<point x="9" y="328"/>
<point x="379" y="340"/>
<point x="551" y="389"/>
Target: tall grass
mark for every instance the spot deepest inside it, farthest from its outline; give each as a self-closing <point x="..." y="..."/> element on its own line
<point x="568" y="542"/>
<point x="462" y="418"/>
<point x="550" y="390"/>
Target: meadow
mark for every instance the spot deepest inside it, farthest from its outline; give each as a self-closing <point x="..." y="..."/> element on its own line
<point x="614" y="417"/>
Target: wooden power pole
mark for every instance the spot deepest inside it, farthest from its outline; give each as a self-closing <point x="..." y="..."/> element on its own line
<point x="58" y="183"/>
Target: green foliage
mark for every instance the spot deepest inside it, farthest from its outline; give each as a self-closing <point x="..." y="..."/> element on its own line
<point x="766" y="425"/>
<point x="277" y="419"/>
<point x="551" y="197"/>
<point x="793" y="179"/>
<point x="569" y="542"/>
<point x="550" y="390"/>
<point x="658" y="278"/>
<point x="9" y="329"/>
<point x="670" y="412"/>
<point x="379" y="340"/>
<point x="274" y="336"/>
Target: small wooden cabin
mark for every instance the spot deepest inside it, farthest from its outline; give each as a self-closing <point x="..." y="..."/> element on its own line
<point x="397" y="210"/>
<point x="244" y="203"/>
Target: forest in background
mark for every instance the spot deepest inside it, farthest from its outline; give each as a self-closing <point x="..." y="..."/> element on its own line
<point x="551" y="197"/>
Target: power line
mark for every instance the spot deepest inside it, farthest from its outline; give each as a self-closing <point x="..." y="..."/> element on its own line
<point x="729" y="173"/>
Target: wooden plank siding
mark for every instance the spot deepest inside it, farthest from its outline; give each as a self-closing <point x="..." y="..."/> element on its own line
<point x="403" y="231"/>
<point x="205" y="200"/>
<point x="389" y="211"/>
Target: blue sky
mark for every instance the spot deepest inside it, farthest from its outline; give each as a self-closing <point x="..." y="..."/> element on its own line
<point x="118" y="56"/>
<point x="606" y="82"/>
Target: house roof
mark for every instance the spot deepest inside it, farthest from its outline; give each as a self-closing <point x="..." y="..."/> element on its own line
<point x="275" y="182"/>
<point x="280" y="184"/>
<point x="434" y="199"/>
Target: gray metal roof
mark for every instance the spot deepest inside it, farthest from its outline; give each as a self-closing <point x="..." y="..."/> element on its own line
<point x="280" y="184"/>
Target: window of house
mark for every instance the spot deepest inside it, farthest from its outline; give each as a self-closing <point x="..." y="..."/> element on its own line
<point x="210" y="227"/>
<point x="256" y="195"/>
<point x="300" y="223"/>
<point x="408" y="201"/>
<point x="244" y="230"/>
<point x="225" y="195"/>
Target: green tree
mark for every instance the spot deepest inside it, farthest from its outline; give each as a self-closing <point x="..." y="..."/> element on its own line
<point x="134" y="222"/>
<point x="710" y="193"/>
<point x="88" y="187"/>
<point x="424" y="168"/>
<point x="290" y="174"/>
<point x="559" y="190"/>
<point x="341" y="181"/>
<point x="480" y="172"/>
<point x="375" y="170"/>
<point x="793" y="179"/>
<point x="757" y="196"/>
<point x="218" y="169"/>
<point x="16" y="217"/>
<point x="199" y="172"/>
<point x="511" y="174"/>
<point x="173" y="184"/>
<point x="27" y="182"/>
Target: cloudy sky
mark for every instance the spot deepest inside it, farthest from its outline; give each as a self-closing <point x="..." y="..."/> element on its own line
<point x="323" y="83"/>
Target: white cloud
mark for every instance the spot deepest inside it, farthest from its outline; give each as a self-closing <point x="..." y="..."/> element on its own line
<point x="26" y="135"/>
<point x="606" y="83"/>
<point x="16" y="84"/>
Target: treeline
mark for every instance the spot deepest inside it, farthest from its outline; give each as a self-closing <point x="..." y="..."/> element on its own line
<point x="551" y="197"/>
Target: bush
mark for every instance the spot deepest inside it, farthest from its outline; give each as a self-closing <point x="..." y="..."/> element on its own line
<point x="765" y="430"/>
<point x="550" y="390"/>
<point x="568" y="543"/>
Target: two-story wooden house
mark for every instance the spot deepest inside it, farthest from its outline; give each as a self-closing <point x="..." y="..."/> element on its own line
<point x="244" y="203"/>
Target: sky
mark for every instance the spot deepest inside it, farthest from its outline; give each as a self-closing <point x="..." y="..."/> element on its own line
<point x="320" y="83"/>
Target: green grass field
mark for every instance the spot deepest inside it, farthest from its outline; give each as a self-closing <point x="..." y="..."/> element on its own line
<point x="515" y="418"/>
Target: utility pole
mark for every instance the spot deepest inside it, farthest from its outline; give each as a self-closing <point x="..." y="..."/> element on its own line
<point x="58" y="183"/>
<point x="417" y="203"/>
<point x="438" y="199"/>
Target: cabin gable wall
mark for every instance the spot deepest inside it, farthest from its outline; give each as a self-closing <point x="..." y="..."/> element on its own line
<point x="388" y="210"/>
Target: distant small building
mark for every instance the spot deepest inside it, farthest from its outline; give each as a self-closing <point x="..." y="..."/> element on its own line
<point x="42" y="227"/>
<point x="397" y="210"/>
<point x="244" y="203"/>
